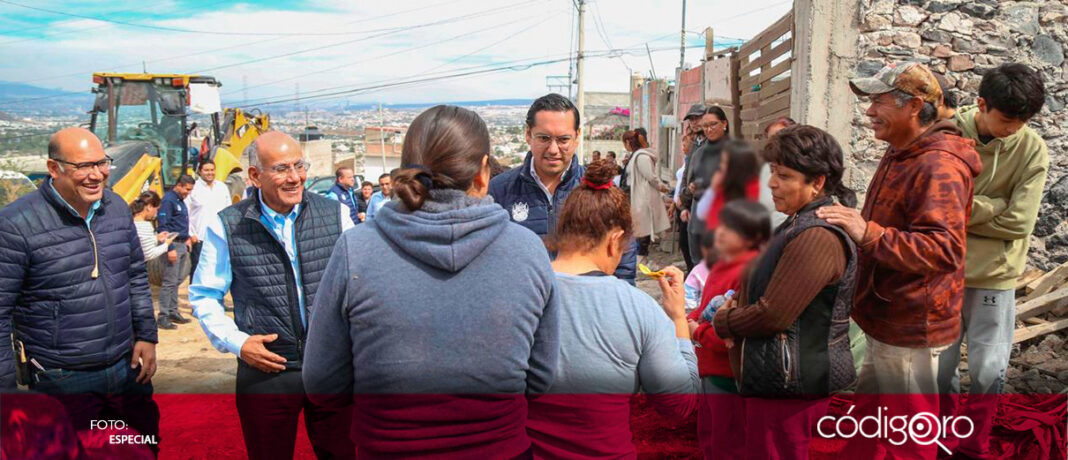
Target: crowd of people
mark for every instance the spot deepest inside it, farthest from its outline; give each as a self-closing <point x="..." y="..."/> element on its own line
<point x="479" y="312"/>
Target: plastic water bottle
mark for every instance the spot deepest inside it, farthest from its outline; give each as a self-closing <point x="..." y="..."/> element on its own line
<point x="714" y="304"/>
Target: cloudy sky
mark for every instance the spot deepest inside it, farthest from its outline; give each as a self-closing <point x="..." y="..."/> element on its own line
<point x="359" y="50"/>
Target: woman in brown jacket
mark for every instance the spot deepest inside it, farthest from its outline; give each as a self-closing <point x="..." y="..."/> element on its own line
<point x="789" y="323"/>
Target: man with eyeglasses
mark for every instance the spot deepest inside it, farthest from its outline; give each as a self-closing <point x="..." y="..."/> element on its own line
<point x="173" y="218"/>
<point x="269" y="251"/>
<point x="74" y="291"/>
<point x="534" y="192"/>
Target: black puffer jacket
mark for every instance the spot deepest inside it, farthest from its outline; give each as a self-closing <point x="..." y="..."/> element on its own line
<point x="78" y="295"/>
<point x="264" y="299"/>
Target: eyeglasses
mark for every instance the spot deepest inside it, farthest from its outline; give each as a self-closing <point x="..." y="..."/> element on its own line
<point x="710" y="125"/>
<point x="300" y="167"/>
<point x="83" y="169"/>
<point x="545" y="139"/>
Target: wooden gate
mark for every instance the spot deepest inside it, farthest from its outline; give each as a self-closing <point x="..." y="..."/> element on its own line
<point x="763" y="78"/>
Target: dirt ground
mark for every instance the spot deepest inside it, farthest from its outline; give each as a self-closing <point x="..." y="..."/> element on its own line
<point x="186" y="361"/>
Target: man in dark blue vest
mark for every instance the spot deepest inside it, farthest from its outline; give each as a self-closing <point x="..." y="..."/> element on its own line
<point x="534" y="192"/>
<point x="342" y="191"/>
<point x="269" y="251"/>
<point x="75" y="290"/>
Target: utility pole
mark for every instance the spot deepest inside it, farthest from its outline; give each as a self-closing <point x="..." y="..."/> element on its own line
<point x="382" y="136"/>
<point x="682" y="39"/>
<point x="580" y="99"/>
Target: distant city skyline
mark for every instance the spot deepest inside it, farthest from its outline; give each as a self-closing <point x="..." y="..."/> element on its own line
<point x="268" y="52"/>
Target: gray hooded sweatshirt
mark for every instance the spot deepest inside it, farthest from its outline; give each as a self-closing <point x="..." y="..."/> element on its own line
<point x="450" y="311"/>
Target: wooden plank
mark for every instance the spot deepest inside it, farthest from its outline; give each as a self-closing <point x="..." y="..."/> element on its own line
<point x="773" y="105"/>
<point x="765" y="121"/>
<point x="1028" y="277"/>
<point x="1042" y="304"/>
<point x="750" y="99"/>
<point x="748" y="82"/>
<point x="773" y="53"/>
<point x="773" y="32"/>
<point x="1048" y="281"/>
<point x="749" y="114"/>
<point x="776" y="87"/>
<point x="1031" y="332"/>
<point x="1035" y="320"/>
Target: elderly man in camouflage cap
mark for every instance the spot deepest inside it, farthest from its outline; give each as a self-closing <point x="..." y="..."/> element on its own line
<point x="911" y="241"/>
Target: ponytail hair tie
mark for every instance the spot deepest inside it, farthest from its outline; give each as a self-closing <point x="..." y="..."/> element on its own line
<point x="604" y="186"/>
<point x="423" y="176"/>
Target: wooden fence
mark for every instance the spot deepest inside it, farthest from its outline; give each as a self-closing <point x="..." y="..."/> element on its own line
<point x="761" y="70"/>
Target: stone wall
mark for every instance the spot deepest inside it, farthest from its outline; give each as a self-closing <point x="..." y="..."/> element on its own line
<point x="964" y="39"/>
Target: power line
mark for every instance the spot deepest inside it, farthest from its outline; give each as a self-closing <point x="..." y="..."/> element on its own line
<point x="386" y="32"/>
<point x="394" y="53"/>
<point x="347" y="42"/>
<point x="348" y="92"/>
<point x="240" y="45"/>
<point x="178" y="29"/>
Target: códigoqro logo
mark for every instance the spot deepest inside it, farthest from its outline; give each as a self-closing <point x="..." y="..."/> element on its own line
<point x="923" y="428"/>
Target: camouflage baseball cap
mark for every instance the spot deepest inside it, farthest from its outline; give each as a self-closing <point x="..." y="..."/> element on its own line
<point x="911" y="77"/>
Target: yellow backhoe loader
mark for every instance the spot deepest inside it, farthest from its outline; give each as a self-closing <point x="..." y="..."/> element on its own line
<point x="148" y="124"/>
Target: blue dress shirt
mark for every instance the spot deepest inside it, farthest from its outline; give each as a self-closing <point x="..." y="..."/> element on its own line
<point x="213" y="275"/>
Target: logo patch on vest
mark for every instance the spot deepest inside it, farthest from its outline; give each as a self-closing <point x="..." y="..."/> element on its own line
<point x="520" y="211"/>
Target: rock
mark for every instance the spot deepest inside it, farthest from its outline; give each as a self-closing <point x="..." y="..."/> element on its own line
<point x="882" y="7"/>
<point x="940" y="68"/>
<point x="907" y="39"/>
<point x="1046" y="224"/>
<point x="941" y="7"/>
<point x="1022" y="18"/>
<point x="909" y="16"/>
<point x="1009" y="389"/>
<point x="1063" y="376"/>
<point x="1052" y="17"/>
<point x="998" y="50"/>
<point x="868" y="67"/>
<point x="1047" y="50"/>
<point x="942" y="51"/>
<point x="1051" y="342"/>
<point x="1031" y="375"/>
<point x="1054" y="104"/>
<point x="1057" y="195"/>
<point x="896" y="51"/>
<point x="882" y="38"/>
<point x="936" y="36"/>
<point x="968" y="46"/>
<point x="874" y="22"/>
<point x="960" y="63"/>
<point x="956" y="22"/>
<point x="979" y="10"/>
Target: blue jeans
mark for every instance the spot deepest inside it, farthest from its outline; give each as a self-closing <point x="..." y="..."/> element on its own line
<point x="104" y="394"/>
<point x="172" y="277"/>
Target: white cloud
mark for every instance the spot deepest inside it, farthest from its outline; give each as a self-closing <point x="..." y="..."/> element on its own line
<point x="79" y="47"/>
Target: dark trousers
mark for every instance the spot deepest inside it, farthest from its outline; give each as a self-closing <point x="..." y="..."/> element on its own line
<point x="643" y="245"/>
<point x="684" y="242"/>
<point x="111" y="393"/>
<point x="194" y="259"/>
<point x="269" y="406"/>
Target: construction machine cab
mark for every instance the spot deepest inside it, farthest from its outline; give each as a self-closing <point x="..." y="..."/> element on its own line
<point x="146" y="123"/>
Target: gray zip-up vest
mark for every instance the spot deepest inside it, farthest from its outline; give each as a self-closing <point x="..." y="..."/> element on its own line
<point x="262" y="287"/>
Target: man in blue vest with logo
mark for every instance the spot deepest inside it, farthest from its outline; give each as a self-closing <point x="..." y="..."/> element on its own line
<point x="74" y="290"/>
<point x="534" y="192"/>
<point x="342" y="191"/>
<point x="269" y="251"/>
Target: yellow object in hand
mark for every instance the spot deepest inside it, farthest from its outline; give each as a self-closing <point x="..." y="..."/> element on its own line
<point x="647" y="272"/>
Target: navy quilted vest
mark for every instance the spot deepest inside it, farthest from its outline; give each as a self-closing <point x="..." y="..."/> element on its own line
<point x="263" y="279"/>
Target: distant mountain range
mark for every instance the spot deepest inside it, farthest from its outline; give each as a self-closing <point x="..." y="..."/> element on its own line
<point x="21" y="98"/>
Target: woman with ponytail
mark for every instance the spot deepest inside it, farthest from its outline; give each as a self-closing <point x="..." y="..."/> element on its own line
<point x="789" y="321"/>
<point x="614" y="338"/>
<point x="438" y="317"/>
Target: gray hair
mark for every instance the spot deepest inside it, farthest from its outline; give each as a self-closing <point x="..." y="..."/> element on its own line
<point x="928" y="113"/>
